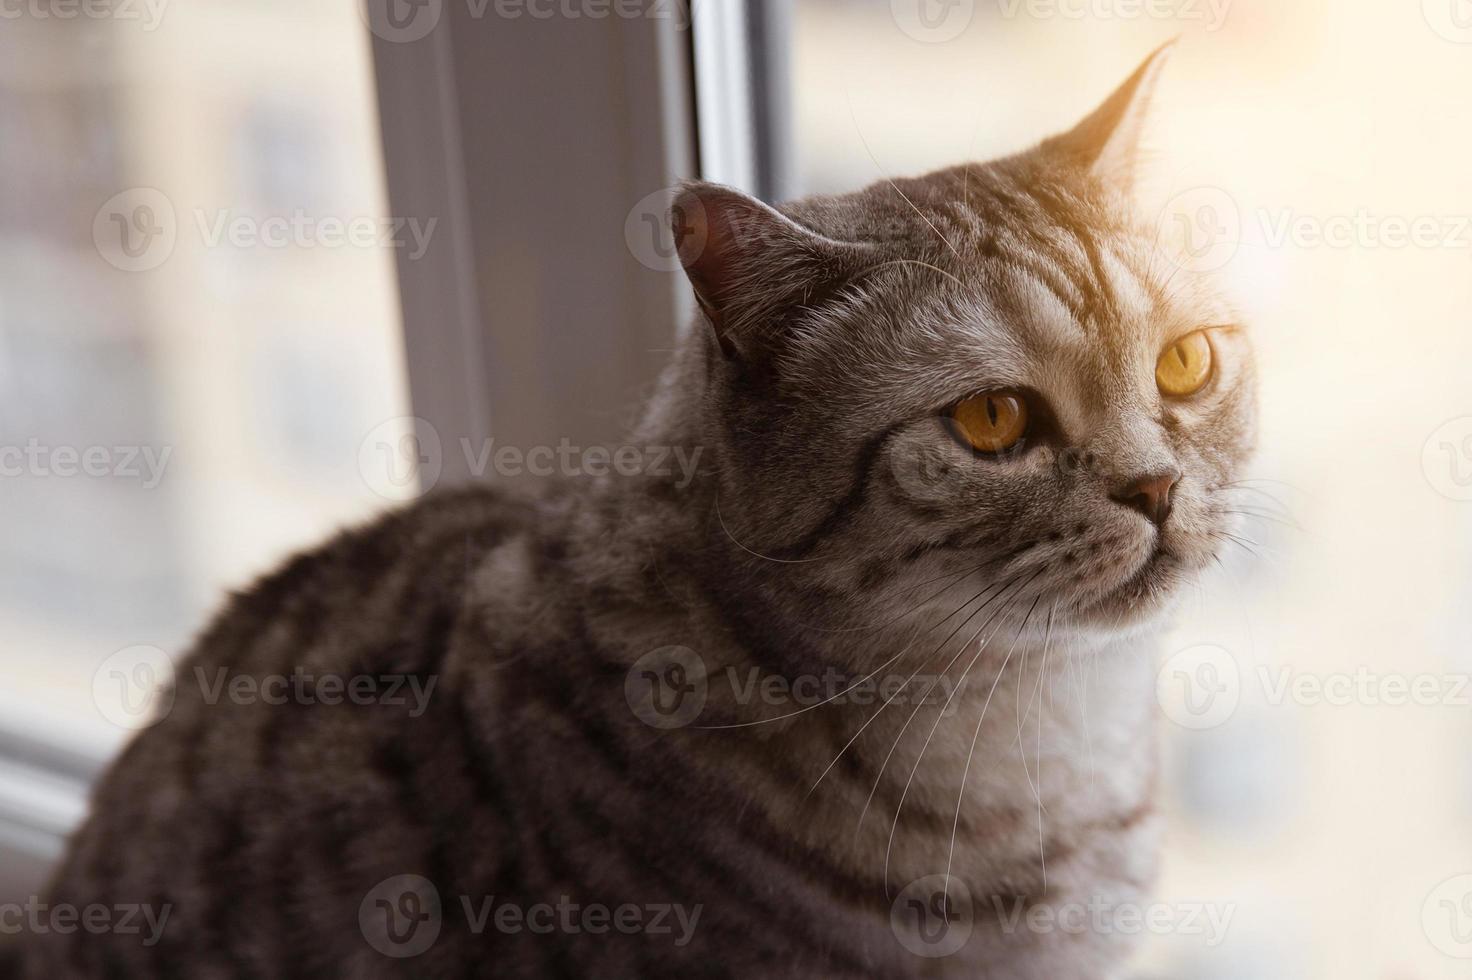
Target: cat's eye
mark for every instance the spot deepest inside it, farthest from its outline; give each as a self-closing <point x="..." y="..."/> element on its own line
<point x="991" y="422"/>
<point x="1185" y="366"/>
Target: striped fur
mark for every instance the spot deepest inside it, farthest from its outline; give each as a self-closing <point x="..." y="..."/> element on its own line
<point x="833" y="526"/>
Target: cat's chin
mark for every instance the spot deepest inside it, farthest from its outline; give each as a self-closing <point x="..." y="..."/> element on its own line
<point x="1146" y="595"/>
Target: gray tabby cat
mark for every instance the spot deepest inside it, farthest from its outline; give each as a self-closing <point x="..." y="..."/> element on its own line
<point x="964" y="436"/>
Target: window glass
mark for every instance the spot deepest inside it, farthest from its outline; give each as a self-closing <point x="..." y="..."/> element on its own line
<point x="198" y="323"/>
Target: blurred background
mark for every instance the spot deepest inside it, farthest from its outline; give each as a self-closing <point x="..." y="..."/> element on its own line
<point x="254" y="256"/>
<point x="222" y="389"/>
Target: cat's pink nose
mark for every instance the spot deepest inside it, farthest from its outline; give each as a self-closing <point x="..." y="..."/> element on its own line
<point x="1150" y="495"/>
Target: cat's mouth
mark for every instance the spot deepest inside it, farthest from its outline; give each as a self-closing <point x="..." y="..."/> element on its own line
<point x="1146" y="588"/>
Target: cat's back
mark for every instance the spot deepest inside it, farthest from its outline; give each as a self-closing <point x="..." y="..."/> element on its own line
<point x="287" y="772"/>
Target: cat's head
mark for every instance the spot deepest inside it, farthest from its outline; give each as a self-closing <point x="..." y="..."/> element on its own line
<point x="992" y="367"/>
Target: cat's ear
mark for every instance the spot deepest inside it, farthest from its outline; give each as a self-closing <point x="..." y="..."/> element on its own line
<point x="751" y="266"/>
<point x="1107" y="143"/>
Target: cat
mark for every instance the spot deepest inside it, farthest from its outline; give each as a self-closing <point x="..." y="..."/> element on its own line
<point x="865" y="698"/>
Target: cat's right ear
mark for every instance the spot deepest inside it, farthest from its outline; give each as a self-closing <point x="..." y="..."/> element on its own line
<point x="750" y="265"/>
<point x="1107" y="143"/>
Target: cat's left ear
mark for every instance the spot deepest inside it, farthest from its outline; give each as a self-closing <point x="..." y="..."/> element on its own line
<point x="1107" y="143"/>
<point x="751" y="266"/>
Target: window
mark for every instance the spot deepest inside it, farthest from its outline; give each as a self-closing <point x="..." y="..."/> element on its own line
<point x="198" y="327"/>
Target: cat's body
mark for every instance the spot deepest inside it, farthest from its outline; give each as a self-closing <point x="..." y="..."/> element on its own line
<point x="529" y="778"/>
<point x="829" y="533"/>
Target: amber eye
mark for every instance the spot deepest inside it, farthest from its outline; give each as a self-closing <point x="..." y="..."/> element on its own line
<point x="991" y="422"/>
<point x="1185" y="367"/>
